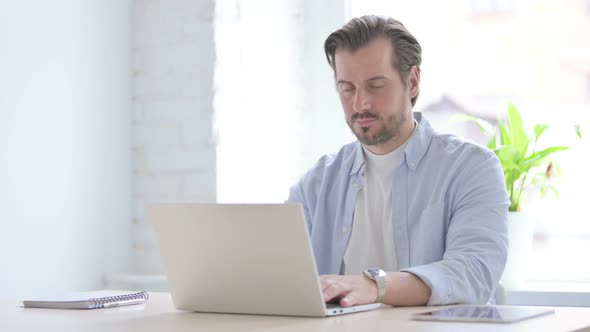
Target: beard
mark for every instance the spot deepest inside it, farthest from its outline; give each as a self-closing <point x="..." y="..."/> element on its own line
<point x="384" y="128"/>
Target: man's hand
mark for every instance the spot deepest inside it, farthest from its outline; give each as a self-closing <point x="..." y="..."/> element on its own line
<point x="351" y="289"/>
<point x="403" y="289"/>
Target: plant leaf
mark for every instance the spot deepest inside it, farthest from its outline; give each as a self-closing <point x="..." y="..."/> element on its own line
<point x="536" y="158"/>
<point x="539" y="129"/>
<point x="510" y="165"/>
<point x="504" y="136"/>
<point x="554" y="191"/>
<point x="508" y="152"/>
<point x="578" y="131"/>
<point x="516" y="131"/>
<point x="492" y="142"/>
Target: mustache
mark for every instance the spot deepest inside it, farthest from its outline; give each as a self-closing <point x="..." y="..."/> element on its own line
<point x="366" y="115"/>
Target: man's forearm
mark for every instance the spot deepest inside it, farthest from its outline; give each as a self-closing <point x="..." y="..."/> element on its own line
<point x="405" y="289"/>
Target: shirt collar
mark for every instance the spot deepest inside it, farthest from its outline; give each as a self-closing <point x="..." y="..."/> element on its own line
<point x="419" y="143"/>
<point x="415" y="148"/>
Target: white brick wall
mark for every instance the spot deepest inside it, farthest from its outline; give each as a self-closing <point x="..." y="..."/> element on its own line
<point x="174" y="154"/>
<point x="179" y="160"/>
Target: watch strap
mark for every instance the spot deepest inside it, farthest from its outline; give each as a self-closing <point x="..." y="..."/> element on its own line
<point x="380" y="281"/>
<point x="379" y="277"/>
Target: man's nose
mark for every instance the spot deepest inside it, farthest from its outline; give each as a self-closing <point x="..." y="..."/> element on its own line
<point x="361" y="101"/>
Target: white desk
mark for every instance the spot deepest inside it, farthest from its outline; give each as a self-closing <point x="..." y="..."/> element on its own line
<point x="159" y="315"/>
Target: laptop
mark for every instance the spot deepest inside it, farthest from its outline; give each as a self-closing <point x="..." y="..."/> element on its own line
<point x="241" y="258"/>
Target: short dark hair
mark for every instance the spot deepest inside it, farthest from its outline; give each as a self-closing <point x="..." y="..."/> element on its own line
<point x="359" y="31"/>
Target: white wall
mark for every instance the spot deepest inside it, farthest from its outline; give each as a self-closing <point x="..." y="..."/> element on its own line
<point x="174" y="157"/>
<point x="64" y="144"/>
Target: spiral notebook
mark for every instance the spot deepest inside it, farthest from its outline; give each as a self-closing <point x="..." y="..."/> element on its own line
<point x="89" y="300"/>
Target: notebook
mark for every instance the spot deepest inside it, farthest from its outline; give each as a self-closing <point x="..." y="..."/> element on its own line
<point x="240" y="258"/>
<point x="89" y="300"/>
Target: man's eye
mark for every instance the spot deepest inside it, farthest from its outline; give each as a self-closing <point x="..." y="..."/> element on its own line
<point x="376" y="86"/>
<point x="346" y="88"/>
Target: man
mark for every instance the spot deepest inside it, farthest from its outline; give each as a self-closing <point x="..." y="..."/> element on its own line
<point x="404" y="216"/>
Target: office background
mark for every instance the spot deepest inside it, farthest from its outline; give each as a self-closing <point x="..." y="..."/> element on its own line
<point x="107" y="105"/>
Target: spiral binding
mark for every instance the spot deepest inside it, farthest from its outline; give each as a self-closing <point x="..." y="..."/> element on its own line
<point x="99" y="302"/>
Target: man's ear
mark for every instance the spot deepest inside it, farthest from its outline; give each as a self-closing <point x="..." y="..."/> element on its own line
<point x="414" y="81"/>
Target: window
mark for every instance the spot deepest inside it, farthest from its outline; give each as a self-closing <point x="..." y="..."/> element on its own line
<point x="277" y="111"/>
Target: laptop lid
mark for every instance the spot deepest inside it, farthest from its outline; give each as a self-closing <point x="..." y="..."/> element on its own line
<point x="239" y="258"/>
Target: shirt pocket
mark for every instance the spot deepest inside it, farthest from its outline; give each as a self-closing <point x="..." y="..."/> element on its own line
<point x="428" y="235"/>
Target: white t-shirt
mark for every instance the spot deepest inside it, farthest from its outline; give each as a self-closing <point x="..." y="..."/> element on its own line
<point x="371" y="241"/>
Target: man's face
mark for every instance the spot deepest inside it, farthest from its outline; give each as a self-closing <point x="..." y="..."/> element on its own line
<point x="376" y="103"/>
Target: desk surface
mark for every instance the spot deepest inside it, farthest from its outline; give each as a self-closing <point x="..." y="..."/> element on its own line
<point x="159" y="315"/>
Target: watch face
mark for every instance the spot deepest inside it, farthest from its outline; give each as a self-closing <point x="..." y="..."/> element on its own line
<point x="376" y="272"/>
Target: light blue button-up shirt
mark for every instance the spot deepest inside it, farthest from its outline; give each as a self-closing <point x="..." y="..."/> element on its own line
<point x="450" y="210"/>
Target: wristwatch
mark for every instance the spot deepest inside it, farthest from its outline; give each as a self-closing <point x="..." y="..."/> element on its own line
<point x="379" y="277"/>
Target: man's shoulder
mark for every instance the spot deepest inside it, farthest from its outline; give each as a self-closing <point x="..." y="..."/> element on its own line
<point x="444" y="147"/>
<point x="458" y="147"/>
<point x="346" y="155"/>
<point x="330" y="170"/>
<point x="332" y="164"/>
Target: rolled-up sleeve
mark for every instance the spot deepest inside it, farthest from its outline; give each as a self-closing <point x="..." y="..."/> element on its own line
<point x="476" y="244"/>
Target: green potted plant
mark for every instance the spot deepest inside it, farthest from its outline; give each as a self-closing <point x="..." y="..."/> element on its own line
<point x="523" y="164"/>
<point x="525" y="167"/>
